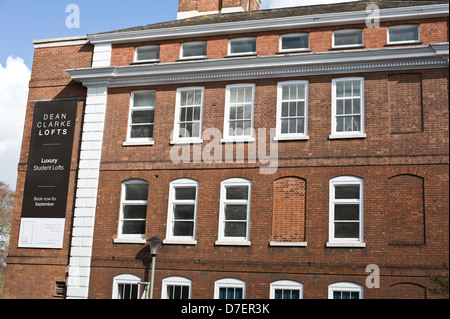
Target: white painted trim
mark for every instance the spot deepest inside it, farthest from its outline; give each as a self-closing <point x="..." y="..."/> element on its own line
<point x="346" y="242"/>
<point x="227" y="240"/>
<point x="175" y="281"/>
<point x="226" y="130"/>
<point x="249" y="68"/>
<point x="295" y="22"/>
<point x="86" y="195"/>
<point x="176" y="125"/>
<point x="288" y="244"/>
<point x="60" y="42"/>
<point x="229" y="283"/>
<point x="170" y="237"/>
<point x="400" y="26"/>
<point x="285" y="285"/>
<point x="345" y="286"/>
<point x="291" y="136"/>
<point x="348" y="134"/>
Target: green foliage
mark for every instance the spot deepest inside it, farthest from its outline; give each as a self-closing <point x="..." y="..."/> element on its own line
<point x="440" y="282"/>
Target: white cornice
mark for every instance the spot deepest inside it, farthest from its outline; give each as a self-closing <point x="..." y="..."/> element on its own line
<point x="307" y="21"/>
<point x="333" y="62"/>
<point x="60" y="42"/>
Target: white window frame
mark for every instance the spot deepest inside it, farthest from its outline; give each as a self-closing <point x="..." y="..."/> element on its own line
<point x="229" y="283"/>
<point x="175" y="281"/>
<point x="242" y="53"/>
<point x="345" y="286"/>
<point x="194" y="56"/>
<point x="131" y="238"/>
<point x="292" y="35"/>
<point x="346" y="242"/>
<point x="350" y="134"/>
<point x="226" y="128"/>
<point x="143" y="48"/>
<point x="285" y="285"/>
<point x="227" y="240"/>
<point x="291" y="136"/>
<point x="400" y="27"/>
<point x="126" y="279"/>
<point x="176" y="127"/>
<point x="170" y="238"/>
<point x="139" y="140"/>
<point x="358" y="45"/>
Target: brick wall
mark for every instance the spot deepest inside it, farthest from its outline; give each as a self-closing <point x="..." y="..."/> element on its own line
<point x="32" y="273"/>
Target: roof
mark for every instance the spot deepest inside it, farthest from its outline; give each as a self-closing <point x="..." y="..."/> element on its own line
<point x="279" y="13"/>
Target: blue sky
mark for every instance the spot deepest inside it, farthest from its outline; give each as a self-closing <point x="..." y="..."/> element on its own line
<point x="22" y="21"/>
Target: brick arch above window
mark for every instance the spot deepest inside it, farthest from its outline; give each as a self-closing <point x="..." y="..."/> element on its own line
<point x="289" y="212"/>
<point x="407" y="290"/>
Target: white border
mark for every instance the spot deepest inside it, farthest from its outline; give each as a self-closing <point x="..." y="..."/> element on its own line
<point x="170" y="238"/>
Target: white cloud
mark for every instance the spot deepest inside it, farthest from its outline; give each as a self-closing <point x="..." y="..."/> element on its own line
<point x="272" y="4"/>
<point x="14" y="78"/>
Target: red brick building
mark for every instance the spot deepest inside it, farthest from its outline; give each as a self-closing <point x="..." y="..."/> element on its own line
<point x="285" y="153"/>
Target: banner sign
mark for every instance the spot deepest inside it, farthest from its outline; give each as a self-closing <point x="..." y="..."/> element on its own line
<point x="47" y="178"/>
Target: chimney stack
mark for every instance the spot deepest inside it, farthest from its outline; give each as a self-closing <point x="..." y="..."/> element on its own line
<point x="192" y="8"/>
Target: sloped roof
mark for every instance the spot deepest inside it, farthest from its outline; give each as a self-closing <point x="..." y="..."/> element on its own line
<point x="279" y="13"/>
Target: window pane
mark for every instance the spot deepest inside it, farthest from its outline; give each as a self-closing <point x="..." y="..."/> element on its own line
<point x="340" y="89"/>
<point x="340" y="107"/>
<point x="185" y="193"/>
<point x="136" y="191"/>
<point x="284" y="126"/>
<point x="133" y="227"/>
<point x="294" y="42"/>
<point x="194" y="49"/>
<point x="141" y="131"/>
<point x="340" y="124"/>
<point x="144" y="98"/>
<point x="300" y="125"/>
<point x="183" y="228"/>
<point x="346" y="230"/>
<point x="278" y="294"/>
<point x="235" y="229"/>
<point x="222" y="293"/>
<point x="300" y="108"/>
<point x="134" y="211"/>
<point x="236" y="192"/>
<point x="346" y="212"/>
<point x="238" y="292"/>
<point x="346" y="191"/>
<point x="236" y="212"/>
<point x="243" y="46"/>
<point x="348" y="38"/>
<point x="285" y="109"/>
<point x="405" y="33"/>
<point x="184" y="211"/>
<point x="138" y="117"/>
<point x="148" y="53"/>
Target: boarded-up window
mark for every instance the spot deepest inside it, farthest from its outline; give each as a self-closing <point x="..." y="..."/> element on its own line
<point x="405" y="213"/>
<point x="407" y="291"/>
<point x="405" y="103"/>
<point x="289" y="210"/>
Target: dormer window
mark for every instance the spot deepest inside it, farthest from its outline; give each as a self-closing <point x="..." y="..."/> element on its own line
<point x="350" y="38"/>
<point x="401" y="34"/>
<point x="147" y="54"/>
